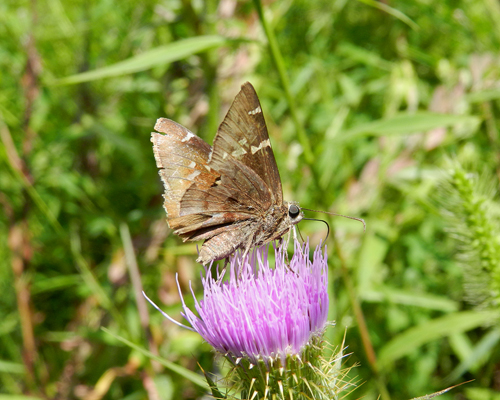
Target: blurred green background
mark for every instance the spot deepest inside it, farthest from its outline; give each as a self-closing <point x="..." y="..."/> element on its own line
<point x="386" y="110"/>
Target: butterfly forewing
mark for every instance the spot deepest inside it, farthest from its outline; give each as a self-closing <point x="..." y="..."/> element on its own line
<point x="243" y="137"/>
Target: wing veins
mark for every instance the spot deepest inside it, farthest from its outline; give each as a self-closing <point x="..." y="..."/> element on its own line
<point x="217" y="197"/>
<point x="235" y="183"/>
<point x="186" y="158"/>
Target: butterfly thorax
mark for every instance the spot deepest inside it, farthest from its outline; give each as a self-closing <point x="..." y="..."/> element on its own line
<point x="244" y="235"/>
<point x="277" y="221"/>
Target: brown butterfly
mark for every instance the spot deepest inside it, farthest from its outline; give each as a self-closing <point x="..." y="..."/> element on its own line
<point x="230" y="194"/>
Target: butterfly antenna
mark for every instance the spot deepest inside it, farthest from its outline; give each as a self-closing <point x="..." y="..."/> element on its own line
<point x="338" y="215"/>
<point x="320" y="220"/>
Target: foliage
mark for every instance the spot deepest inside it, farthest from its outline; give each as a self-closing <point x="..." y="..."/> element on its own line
<point x="365" y="102"/>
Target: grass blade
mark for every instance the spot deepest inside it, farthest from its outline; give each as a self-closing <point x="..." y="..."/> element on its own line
<point x="438" y="328"/>
<point x="404" y="123"/>
<point x="391" y="11"/>
<point x="479" y="355"/>
<point x="158" y="56"/>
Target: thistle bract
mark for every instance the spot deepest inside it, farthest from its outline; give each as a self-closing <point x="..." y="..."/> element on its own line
<point x="264" y="313"/>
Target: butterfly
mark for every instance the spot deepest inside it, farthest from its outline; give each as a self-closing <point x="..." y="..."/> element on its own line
<point x="230" y="194"/>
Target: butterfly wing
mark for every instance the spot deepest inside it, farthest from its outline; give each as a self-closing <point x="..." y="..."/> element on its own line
<point x="182" y="159"/>
<point x="242" y="139"/>
<point x="222" y="193"/>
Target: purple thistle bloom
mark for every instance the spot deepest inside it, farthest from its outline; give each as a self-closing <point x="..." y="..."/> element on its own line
<point x="269" y="324"/>
<point x="264" y="313"/>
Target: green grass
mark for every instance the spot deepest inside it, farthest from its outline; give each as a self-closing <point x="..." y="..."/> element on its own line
<point x="366" y="104"/>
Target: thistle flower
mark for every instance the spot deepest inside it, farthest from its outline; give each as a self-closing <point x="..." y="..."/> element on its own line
<point x="265" y="313"/>
<point x="269" y="322"/>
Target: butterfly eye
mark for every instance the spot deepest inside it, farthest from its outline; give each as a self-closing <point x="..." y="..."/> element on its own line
<point x="293" y="211"/>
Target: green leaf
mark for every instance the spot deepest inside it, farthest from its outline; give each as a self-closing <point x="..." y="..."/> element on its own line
<point x="479" y="355"/>
<point x="483" y="96"/>
<point x="18" y="397"/>
<point x="165" y="386"/>
<point x="158" y="56"/>
<point x="405" y="123"/>
<point x="11" y="367"/>
<point x="213" y="387"/>
<point x="422" y="300"/>
<point x="479" y="393"/>
<point x="55" y="283"/>
<point x="362" y="55"/>
<point x="391" y="11"/>
<point x="461" y="345"/>
<point x="417" y="336"/>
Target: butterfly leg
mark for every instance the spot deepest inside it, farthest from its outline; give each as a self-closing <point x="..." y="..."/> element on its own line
<point x="290" y="232"/>
<point x="284" y="245"/>
<point x="250" y="243"/>
<point x="244" y="255"/>
<point x="223" y="272"/>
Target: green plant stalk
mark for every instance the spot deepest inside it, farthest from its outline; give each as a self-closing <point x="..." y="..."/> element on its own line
<point x="280" y="67"/>
<point x="209" y="61"/>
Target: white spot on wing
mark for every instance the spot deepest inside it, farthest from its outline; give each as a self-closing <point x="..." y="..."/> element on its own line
<point x="239" y="152"/>
<point x="193" y="175"/>
<point x="188" y="137"/>
<point x="224" y="156"/>
<point x="264" y="143"/>
<point x="242" y="142"/>
<point x="192" y="164"/>
<point x="258" y="110"/>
